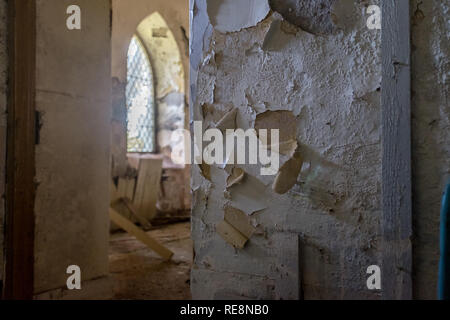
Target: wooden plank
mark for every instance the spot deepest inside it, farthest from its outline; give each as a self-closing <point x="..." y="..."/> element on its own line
<point x="20" y="193"/>
<point x="148" y="186"/>
<point x="120" y="207"/>
<point x="133" y="161"/>
<point x="130" y="206"/>
<point x="113" y="192"/>
<point x="396" y="138"/>
<point x="132" y="229"/>
<point x="125" y="188"/>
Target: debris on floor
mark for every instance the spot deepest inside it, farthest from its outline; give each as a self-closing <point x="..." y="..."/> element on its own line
<point x="139" y="273"/>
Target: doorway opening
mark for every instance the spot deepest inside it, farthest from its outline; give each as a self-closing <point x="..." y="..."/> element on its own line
<point x="149" y="191"/>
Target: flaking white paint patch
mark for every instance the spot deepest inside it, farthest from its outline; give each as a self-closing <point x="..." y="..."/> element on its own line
<point x="248" y="195"/>
<point x="235" y="15"/>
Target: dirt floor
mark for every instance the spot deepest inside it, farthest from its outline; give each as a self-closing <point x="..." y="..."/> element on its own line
<point x="139" y="274"/>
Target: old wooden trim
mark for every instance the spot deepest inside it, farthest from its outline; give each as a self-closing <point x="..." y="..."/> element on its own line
<point x="20" y="189"/>
<point x="396" y="138"/>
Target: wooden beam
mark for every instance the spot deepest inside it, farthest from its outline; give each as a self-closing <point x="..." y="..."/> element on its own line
<point x="130" y="206"/>
<point x="125" y="188"/>
<point x="148" y="186"/>
<point x="396" y="139"/>
<point x="132" y="229"/>
<point x="20" y="190"/>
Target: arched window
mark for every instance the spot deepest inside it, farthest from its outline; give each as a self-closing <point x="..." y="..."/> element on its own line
<point x="140" y="100"/>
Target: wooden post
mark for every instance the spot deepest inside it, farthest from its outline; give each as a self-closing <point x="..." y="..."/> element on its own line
<point x="396" y="138"/>
<point x="20" y="166"/>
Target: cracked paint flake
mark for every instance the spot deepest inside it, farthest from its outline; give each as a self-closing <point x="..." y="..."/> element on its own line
<point x="282" y="120"/>
<point x="236" y="176"/>
<point x="240" y="221"/>
<point x="288" y="174"/>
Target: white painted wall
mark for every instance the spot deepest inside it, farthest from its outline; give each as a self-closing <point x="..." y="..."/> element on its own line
<point x="73" y="96"/>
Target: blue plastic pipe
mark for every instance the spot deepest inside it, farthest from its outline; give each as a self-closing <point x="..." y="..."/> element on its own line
<point x="444" y="263"/>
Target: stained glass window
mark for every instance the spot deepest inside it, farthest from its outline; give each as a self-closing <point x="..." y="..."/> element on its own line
<point x="140" y="100"/>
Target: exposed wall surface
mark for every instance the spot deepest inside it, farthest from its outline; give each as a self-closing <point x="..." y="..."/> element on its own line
<point x="127" y="17"/>
<point x="73" y="98"/>
<point x="318" y="239"/>
<point x="3" y="98"/>
<point x="431" y="136"/>
<point x="168" y="73"/>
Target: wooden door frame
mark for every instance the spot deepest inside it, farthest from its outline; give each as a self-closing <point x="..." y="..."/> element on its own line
<point x="20" y="159"/>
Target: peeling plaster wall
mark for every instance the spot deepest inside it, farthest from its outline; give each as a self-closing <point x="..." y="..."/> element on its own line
<point x="431" y="136"/>
<point x="73" y="98"/>
<point x="3" y="101"/>
<point x="127" y="15"/>
<point x="327" y="225"/>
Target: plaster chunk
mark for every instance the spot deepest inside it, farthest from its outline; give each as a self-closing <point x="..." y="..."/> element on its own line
<point x="231" y="15"/>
